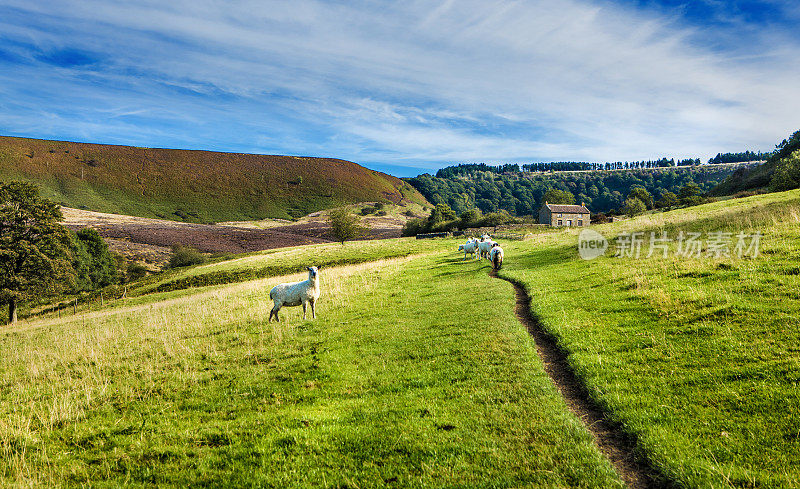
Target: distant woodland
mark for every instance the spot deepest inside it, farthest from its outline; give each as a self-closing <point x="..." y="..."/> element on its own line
<point x="508" y="188"/>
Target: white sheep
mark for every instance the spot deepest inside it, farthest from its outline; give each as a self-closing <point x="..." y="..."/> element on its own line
<point x="471" y="246"/>
<point x="496" y="256"/>
<point x="485" y="247"/>
<point x="296" y="293"/>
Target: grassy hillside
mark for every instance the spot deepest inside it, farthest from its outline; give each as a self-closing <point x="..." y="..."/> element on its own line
<point x="403" y="380"/>
<point x="697" y="358"/>
<point x="195" y="186"/>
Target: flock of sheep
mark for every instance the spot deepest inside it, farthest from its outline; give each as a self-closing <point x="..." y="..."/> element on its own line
<point x="307" y="291"/>
<point x="485" y="247"/>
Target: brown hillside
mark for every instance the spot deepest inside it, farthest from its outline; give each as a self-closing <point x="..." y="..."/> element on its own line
<point x="189" y="185"/>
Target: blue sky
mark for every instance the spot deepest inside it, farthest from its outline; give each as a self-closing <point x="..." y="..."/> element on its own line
<point x="406" y="87"/>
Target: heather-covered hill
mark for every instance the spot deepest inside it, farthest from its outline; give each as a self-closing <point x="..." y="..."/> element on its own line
<point x="193" y="186"/>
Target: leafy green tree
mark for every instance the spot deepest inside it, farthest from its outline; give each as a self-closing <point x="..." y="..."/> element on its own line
<point x="787" y="147"/>
<point x="642" y="194"/>
<point x="556" y="196"/>
<point x="787" y="173"/>
<point x="94" y="264"/>
<point x="689" y="194"/>
<point x="35" y="256"/>
<point x="470" y="218"/>
<point x="633" y="207"/>
<point x="441" y="213"/>
<point x="667" y="200"/>
<point x="345" y="225"/>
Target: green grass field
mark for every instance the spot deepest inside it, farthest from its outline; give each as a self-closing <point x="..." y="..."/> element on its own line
<point x="698" y="358"/>
<point x="417" y="373"/>
<point x="405" y="379"/>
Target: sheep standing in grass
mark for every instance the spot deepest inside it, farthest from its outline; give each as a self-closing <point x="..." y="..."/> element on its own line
<point x="471" y="246"/>
<point x="485" y="247"/>
<point x="296" y="293"/>
<point x="496" y="256"/>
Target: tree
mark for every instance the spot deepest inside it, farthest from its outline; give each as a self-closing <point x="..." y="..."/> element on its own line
<point x="633" y="207"/>
<point x="556" y="196"/>
<point x="643" y="195"/>
<point x="668" y="199"/>
<point x="470" y="218"/>
<point x="441" y="213"/>
<point x="689" y="194"/>
<point x="787" y="173"/>
<point x="95" y="266"/>
<point x="35" y="257"/>
<point x="345" y="225"/>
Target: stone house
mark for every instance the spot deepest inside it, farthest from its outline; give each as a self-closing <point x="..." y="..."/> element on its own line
<point x="564" y="215"/>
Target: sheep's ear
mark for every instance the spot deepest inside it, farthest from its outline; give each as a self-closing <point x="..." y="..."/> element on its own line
<point x="308" y="268"/>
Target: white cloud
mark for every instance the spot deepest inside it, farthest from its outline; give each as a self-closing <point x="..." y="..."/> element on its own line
<point x="419" y="81"/>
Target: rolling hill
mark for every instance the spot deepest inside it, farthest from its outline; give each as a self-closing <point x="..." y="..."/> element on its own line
<point x="190" y="185"/>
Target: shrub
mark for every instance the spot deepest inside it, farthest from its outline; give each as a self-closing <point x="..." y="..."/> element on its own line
<point x="135" y="271"/>
<point x="184" y="256"/>
<point x="443" y="226"/>
<point x="495" y="219"/>
<point x="345" y="225"/>
<point x="414" y="227"/>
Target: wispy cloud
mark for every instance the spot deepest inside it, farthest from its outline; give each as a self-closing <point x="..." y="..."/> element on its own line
<point x="405" y="83"/>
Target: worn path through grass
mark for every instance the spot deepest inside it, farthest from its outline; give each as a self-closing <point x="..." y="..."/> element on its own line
<point x="697" y="358"/>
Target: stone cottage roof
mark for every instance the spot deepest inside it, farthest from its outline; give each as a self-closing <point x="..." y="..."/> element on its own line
<point x="569" y="209"/>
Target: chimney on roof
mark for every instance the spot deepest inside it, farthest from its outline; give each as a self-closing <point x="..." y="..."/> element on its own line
<point x="583" y="205"/>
